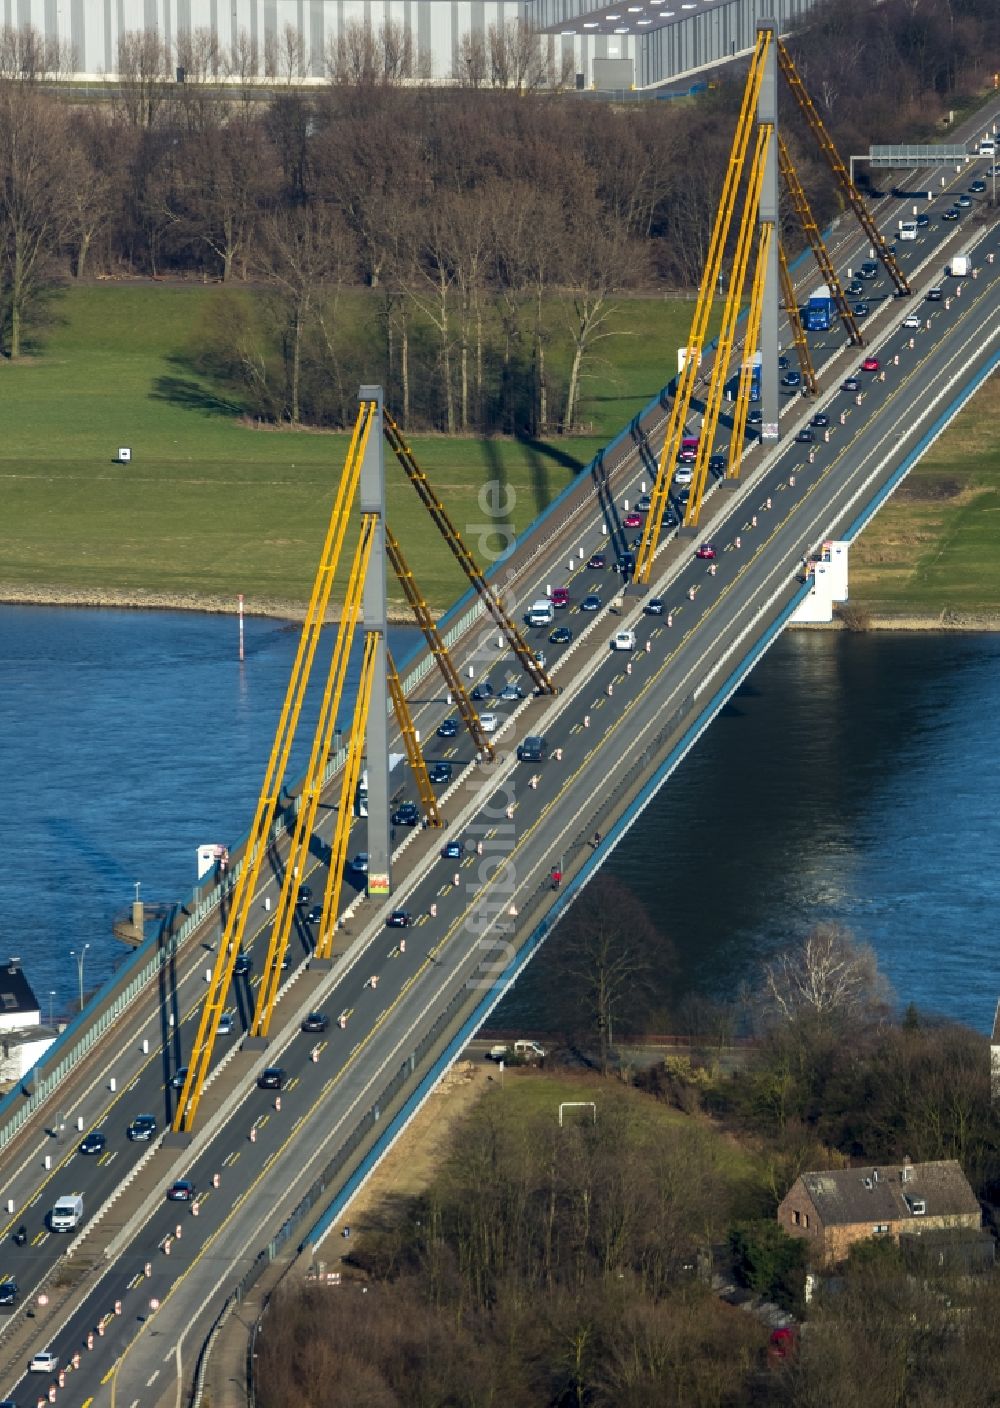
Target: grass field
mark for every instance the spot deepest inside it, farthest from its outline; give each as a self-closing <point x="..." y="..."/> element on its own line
<point x="211" y="506"/>
<point x="935" y="547"/>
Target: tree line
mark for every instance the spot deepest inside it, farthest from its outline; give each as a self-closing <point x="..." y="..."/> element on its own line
<point x="491" y="225"/>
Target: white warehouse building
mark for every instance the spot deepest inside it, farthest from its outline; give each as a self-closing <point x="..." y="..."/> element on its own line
<point x="609" y="47"/>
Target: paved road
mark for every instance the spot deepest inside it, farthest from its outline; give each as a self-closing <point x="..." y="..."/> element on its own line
<point x="442" y="955"/>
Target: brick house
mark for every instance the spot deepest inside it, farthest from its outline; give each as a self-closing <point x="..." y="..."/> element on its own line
<point x="839" y="1207"/>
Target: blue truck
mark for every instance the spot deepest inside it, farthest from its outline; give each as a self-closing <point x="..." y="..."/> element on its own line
<point x="817" y="315"/>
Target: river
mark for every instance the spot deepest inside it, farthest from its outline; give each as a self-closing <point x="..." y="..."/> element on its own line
<point x="850" y="780"/>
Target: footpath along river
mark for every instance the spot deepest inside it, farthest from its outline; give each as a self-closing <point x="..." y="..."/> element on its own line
<point x="851" y="780"/>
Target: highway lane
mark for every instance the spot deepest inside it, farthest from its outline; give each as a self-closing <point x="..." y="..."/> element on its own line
<point x="539" y="830"/>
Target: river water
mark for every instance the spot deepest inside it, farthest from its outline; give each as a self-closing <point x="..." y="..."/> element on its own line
<point x="850" y="780"/>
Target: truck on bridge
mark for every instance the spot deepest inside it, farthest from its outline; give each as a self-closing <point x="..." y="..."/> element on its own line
<point x="817" y="315"/>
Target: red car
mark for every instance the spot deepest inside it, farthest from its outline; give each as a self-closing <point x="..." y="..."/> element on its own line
<point x="706" y="552"/>
<point x="633" y="520"/>
<point x="560" y="596"/>
<point x="870" y="364"/>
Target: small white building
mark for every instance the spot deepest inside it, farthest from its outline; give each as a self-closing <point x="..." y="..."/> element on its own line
<point x="23" y="1039"/>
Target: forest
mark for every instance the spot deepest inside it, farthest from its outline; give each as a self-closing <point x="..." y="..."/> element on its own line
<point x="483" y="220"/>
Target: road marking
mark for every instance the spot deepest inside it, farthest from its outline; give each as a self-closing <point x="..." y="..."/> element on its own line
<point x="229" y="1159"/>
<point x="38" y="1239"/>
<point x="152" y="1378"/>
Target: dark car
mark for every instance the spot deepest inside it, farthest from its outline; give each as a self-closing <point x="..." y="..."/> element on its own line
<point x="453" y="850"/>
<point x="820" y="420"/>
<point x="178" y="1078"/>
<point x="654" y="606"/>
<point x="8" y="1291"/>
<point x="590" y="603"/>
<point x="271" y="1078"/>
<point x="448" y="729"/>
<point x="850" y="383"/>
<point x="511" y="692"/>
<point x="242" y="966"/>
<point x="399" y="919"/>
<point x="717" y="464"/>
<point x="316" y="1022"/>
<point x="181" y="1191"/>
<point x="869" y="269"/>
<point x="755" y="418"/>
<point x="440" y="772"/>
<point x="360" y="863"/>
<point x="483" y="690"/>
<point x="597" y="561"/>
<point x="792" y="379"/>
<point x="142" y="1129"/>
<point x="934" y="295"/>
<point x="855" y="289"/>
<point x="806" y="436"/>
<point x="977" y="188"/>
<point x="406" y="814"/>
<point x="952" y="213"/>
<point x="783" y="363"/>
<point x="923" y="220"/>
<point x="861" y="310"/>
<point x="304" y="895"/>
<point x="562" y="635"/>
<point x="532" y="750"/>
<point x="645" y="503"/>
<point x="93" y="1143"/>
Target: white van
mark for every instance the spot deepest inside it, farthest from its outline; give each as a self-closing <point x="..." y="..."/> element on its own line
<point x="529" y="1051"/>
<point x="67" y="1214"/>
<point x="987" y="147"/>
<point x="907" y="229"/>
<point x="541" y="613"/>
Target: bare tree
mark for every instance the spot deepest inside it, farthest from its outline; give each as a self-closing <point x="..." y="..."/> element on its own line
<point x="293" y="58"/>
<point x="143" y="70"/>
<point x="603" y="262"/>
<point x="33" y="213"/>
<point x="361" y="56"/>
<point x="472" y="62"/>
<point x="242" y="63"/>
<point x="89" y="185"/>
<point x="516" y="57"/>
<point x="829" y="975"/>
<point x="29" y="57"/>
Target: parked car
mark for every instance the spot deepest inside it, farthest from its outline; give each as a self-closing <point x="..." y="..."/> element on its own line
<point x="181" y="1191"/>
<point x="142" y="1129"/>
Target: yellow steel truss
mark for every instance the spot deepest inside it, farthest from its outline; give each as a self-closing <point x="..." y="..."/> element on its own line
<point x="752" y="339"/>
<point x="246" y="884"/>
<point x="826" y="145"/>
<point x="348" y="791"/>
<point x="810" y="229"/>
<point x="795" y="323"/>
<point x="409" y="734"/>
<point x="437" y="647"/>
<point x="305" y="822"/>
<point x="453" y="538"/>
<point x="703" y="307"/>
<point x="730" y="317"/>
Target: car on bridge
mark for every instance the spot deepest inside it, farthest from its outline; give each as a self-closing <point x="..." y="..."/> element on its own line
<point x="706" y="552"/>
<point x="304" y="895"/>
<point x="271" y="1078"/>
<point x="792" y="379"/>
<point x="510" y="692"/>
<point x="8" y="1291"/>
<point x="854" y="289"/>
<point x="633" y="520"/>
<point x="977" y="188"/>
<point x="597" y="561"/>
<point x="44" y="1363"/>
<point x="439" y="773"/>
<point x="933" y="295"/>
<point x="315" y="915"/>
<point x="623" y="640"/>
<point x="142" y="1129"/>
<point x="850" y="383"/>
<point x="226" y="1024"/>
<point x="952" y="213"/>
<point x="483" y="690"/>
<point x="489" y="723"/>
<point x="399" y="919"/>
<point x="755" y="418"/>
<point x="562" y="635"/>
<point x="645" y="503"/>
<point x="406" y="814"/>
<point x="861" y="310"/>
<point x="870" y="364"/>
<point x="590" y="603"/>
<point x="181" y="1191"/>
<point x="683" y="474"/>
<point x="964" y="202"/>
<point x="654" y="606"/>
<point x="360" y="863"/>
<point x="93" y="1143"/>
<point x="243" y="964"/>
<point x="448" y="729"/>
<point x="869" y="269"/>
<point x="315" y="1022"/>
<point x="923" y="219"/>
<point x="453" y="850"/>
<point x="913" y="320"/>
<point x="560" y="597"/>
<point x="178" y="1078"/>
<point x="820" y="420"/>
<point x="532" y="749"/>
<point x="717" y="463"/>
<point x="806" y="435"/>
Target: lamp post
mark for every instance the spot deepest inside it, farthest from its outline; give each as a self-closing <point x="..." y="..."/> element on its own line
<point x="79" y="967"/>
<point x="52" y="993"/>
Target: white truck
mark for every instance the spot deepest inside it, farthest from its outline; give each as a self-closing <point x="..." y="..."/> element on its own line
<point x="67" y="1214"/>
<point x="960" y="266"/>
<point x="907" y="229"/>
<point x="540" y="613"/>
